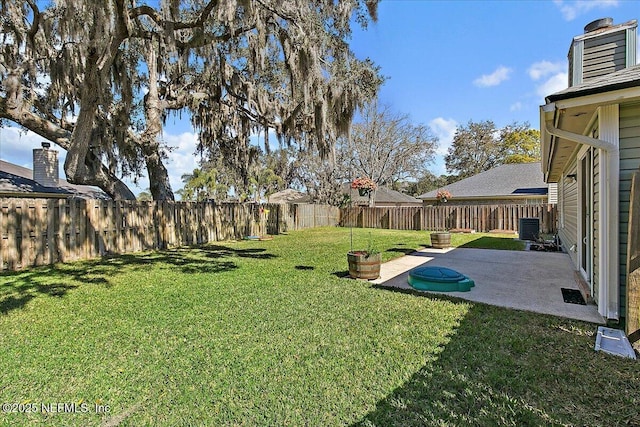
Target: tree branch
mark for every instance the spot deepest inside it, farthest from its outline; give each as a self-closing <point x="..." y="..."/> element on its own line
<point x="200" y="40"/>
<point x="145" y="10"/>
<point x="36" y="22"/>
<point x="31" y="121"/>
<point x="275" y="12"/>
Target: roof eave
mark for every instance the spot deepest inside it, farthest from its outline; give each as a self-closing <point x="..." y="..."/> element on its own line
<point x="34" y="195"/>
<point x="600" y="90"/>
<point x="590" y="99"/>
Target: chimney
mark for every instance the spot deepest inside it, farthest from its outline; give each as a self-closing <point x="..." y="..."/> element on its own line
<point x="45" y="166"/>
<point x="603" y="49"/>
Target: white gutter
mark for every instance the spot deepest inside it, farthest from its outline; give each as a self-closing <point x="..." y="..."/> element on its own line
<point x="608" y="260"/>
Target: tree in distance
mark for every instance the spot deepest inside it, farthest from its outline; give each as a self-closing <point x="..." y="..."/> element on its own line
<point x="386" y="146"/>
<point x="480" y="146"/>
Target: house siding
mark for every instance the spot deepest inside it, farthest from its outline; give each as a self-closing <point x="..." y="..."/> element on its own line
<point x="553" y="193"/>
<point x="629" y="163"/>
<point x="604" y="55"/>
<point x="568" y="231"/>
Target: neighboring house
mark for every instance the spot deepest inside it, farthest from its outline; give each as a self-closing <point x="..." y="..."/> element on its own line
<point x="42" y="181"/>
<point x="381" y="197"/>
<point x="516" y="183"/>
<point x="289" y="196"/>
<point x="591" y="146"/>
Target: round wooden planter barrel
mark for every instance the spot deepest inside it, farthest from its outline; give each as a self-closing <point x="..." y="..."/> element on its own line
<point x="362" y="266"/>
<point x="440" y="240"/>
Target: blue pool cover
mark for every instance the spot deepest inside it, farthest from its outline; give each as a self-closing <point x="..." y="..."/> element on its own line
<point x="439" y="279"/>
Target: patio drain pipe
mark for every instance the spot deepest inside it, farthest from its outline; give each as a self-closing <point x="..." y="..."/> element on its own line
<point x="608" y="210"/>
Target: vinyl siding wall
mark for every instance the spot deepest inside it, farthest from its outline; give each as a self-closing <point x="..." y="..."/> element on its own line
<point x="629" y="163"/>
<point x="596" y="222"/>
<point x="604" y="55"/>
<point x="553" y="193"/>
<point x="568" y="194"/>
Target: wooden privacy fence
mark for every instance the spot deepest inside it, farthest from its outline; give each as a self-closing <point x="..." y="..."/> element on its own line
<point x="45" y="231"/>
<point x="632" y="295"/>
<point x="482" y="218"/>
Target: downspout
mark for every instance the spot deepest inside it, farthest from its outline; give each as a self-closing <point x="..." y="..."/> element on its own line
<point x="581" y="139"/>
<point x="608" y="260"/>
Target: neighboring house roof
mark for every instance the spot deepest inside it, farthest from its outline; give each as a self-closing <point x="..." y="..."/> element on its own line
<point x="289" y="196"/>
<point x="383" y="195"/>
<point x="510" y="180"/>
<point x="18" y="180"/>
<point x="623" y="79"/>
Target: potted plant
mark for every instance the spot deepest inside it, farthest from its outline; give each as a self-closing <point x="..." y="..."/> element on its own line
<point x="365" y="264"/>
<point x="364" y="186"/>
<point x="443" y="196"/>
<point x="441" y="239"/>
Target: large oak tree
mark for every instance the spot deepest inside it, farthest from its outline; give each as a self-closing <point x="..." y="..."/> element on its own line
<point x="99" y="78"/>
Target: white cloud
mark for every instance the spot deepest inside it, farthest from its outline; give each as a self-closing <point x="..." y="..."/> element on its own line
<point x="444" y="129"/>
<point x="572" y="9"/>
<point x="516" y="106"/>
<point x="16" y="143"/>
<point x="181" y="159"/>
<point x="16" y="146"/>
<point x="554" y="84"/>
<point x="542" y="69"/>
<point x="498" y="76"/>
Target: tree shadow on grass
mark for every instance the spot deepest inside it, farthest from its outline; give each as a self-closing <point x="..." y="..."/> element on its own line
<point x="18" y="288"/>
<point x="18" y="293"/>
<point x="217" y="251"/>
<point x="405" y="251"/>
<point x="494" y="243"/>
<point x="341" y="274"/>
<point x="509" y="367"/>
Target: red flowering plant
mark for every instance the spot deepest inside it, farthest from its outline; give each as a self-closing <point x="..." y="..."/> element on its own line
<point x="442" y="196"/>
<point x="364" y="185"/>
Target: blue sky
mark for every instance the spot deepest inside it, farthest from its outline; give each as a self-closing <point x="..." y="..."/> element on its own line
<point x="447" y="62"/>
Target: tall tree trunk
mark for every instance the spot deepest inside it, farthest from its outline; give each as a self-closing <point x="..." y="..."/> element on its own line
<point x="74" y="164"/>
<point x="81" y="165"/>
<point x="159" y="184"/>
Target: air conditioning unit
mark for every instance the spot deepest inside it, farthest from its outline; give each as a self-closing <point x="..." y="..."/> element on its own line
<point x="529" y="229"/>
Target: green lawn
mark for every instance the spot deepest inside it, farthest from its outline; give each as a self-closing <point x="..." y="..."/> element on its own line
<point x="269" y="333"/>
<point x="487" y="241"/>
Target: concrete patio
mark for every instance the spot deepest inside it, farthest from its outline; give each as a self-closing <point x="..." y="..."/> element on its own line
<point x="524" y="280"/>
